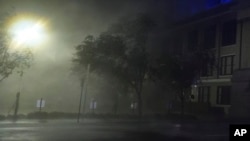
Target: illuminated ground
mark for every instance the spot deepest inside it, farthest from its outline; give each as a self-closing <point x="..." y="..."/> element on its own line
<point x="99" y="130"/>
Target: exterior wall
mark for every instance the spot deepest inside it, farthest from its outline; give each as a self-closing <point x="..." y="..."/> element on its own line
<point x="219" y="51"/>
<point x="245" y="45"/>
<point x="240" y="50"/>
<point x="244" y="17"/>
<point x="240" y="91"/>
<point x="241" y="95"/>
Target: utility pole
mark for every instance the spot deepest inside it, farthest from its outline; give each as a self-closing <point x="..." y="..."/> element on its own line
<point x="86" y="89"/>
<point x="80" y="103"/>
<point x="16" y="105"/>
<point x="18" y="98"/>
<point x="83" y="91"/>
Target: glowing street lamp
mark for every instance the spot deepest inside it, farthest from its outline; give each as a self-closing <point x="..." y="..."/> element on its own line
<point x="28" y="33"/>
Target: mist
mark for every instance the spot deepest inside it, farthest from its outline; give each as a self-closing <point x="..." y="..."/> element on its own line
<point x="68" y="22"/>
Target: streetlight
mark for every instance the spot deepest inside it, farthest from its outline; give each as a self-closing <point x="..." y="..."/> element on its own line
<point x="25" y="32"/>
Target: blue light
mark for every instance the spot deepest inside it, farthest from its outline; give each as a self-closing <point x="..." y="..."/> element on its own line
<point x="213" y="3"/>
<point x="187" y="8"/>
<point x="226" y="1"/>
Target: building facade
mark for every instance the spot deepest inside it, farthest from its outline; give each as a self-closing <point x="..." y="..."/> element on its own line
<point x="224" y="31"/>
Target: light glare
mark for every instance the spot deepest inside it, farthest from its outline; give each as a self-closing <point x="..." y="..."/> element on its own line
<point x="27" y="32"/>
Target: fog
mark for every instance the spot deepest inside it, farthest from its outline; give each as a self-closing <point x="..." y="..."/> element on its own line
<point x="68" y="22"/>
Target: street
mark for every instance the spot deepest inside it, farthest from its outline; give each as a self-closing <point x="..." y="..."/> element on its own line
<point x="109" y="130"/>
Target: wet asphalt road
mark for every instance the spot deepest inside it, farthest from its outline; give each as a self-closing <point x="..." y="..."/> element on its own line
<point x="107" y="130"/>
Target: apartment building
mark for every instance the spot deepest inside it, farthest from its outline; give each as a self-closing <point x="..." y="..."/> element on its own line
<point x="225" y="32"/>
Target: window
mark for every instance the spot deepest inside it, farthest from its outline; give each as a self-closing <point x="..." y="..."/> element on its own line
<point x="226" y="65"/>
<point x="223" y="95"/>
<point x="210" y="37"/>
<point x="207" y="67"/>
<point x="229" y="33"/>
<point x="192" y="40"/>
<point x="203" y="94"/>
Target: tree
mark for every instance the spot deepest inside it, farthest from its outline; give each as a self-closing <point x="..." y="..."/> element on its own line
<point x="105" y="54"/>
<point x="182" y="71"/>
<point x="120" y="52"/>
<point x="134" y="33"/>
<point x="84" y="54"/>
<point x="11" y="59"/>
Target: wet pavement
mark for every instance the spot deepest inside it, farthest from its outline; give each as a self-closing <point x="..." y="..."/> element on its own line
<point x="110" y="130"/>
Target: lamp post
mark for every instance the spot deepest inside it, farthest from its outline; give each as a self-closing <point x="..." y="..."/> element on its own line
<point x="15" y="115"/>
<point x="24" y="32"/>
<point x="80" y="103"/>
